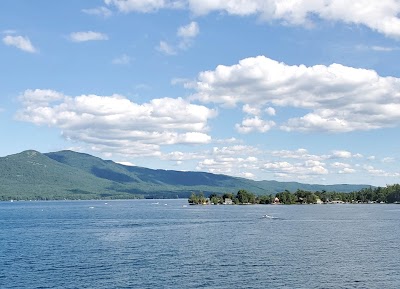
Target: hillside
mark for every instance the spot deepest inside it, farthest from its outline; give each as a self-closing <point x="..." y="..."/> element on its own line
<point x="32" y="175"/>
<point x="72" y="175"/>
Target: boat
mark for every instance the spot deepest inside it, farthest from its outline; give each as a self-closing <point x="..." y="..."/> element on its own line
<point x="269" y="217"/>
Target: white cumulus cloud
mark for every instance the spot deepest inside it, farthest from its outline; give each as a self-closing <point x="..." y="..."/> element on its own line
<point x="379" y="172"/>
<point x="254" y="124"/>
<point x="381" y="16"/>
<point x="347" y="171"/>
<point x="185" y="35"/>
<point x="40" y="97"/>
<point x="296" y="169"/>
<point x="179" y="156"/>
<point x="341" y="154"/>
<point x="114" y="123"/>
<point x="299" y="164"/>
<point x="138" y="5"/>
<point x="251" y="110"/>
<point x="99" y="11"/>
<point x="388" y="160"/>
<point x="20" y="42"/>
<point x="340" y="165"/>
<point x="166" y="48"/>
<point x="301" y="153"/>
<point x="270" y="111"/>
<point x="339" y="98"/>
<point x="84" y="36"/>
<point x="189" y="31"/>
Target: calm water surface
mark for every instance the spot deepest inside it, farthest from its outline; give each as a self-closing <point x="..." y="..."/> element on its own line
<point x="142" y="244"/>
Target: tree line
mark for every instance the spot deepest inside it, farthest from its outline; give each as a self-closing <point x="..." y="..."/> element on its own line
<point x="242" y="197"/>
<point x="388" y="194"/>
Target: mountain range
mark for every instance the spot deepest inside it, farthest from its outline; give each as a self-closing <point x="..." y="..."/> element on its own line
<point x="72" y="175"/>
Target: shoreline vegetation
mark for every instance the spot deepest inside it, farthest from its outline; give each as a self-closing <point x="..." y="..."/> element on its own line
<point x="370" y="195"/>
<point x="380" y="195"/>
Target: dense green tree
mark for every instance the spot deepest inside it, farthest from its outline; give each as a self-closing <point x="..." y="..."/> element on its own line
<point x="393" y="193"/>
<point x="245" y="197"/>
<point x="214" y="199"/>
<point x="228" y="196"/>
<point x="286" y="197"/>
<point x="195" y="199"/>
<point x="264" y="199"/>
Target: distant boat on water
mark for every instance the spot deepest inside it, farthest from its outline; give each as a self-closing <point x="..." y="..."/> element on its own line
<point x="269" y="217"/>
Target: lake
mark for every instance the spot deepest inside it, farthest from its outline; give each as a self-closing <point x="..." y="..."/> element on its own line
<point x="166" y="244"/>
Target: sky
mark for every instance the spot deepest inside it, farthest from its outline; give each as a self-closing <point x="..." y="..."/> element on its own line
<point x="305" y="91"/>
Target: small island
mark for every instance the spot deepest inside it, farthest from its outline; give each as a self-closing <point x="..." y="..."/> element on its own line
<point x="381" y="195"/>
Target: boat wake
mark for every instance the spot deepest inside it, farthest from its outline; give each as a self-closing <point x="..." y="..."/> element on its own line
<point x="268" y="217"/>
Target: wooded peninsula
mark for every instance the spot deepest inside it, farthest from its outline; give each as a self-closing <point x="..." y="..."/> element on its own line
<point x="388" y="194"/>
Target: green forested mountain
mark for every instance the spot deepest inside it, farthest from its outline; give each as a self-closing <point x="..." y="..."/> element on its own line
<point x="32" y="175"/>
<point x="72" y="175"/>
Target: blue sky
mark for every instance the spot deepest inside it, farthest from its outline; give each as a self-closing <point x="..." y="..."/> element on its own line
<point x="304" y="91"/>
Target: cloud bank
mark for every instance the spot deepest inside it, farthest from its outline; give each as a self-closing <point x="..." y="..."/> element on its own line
<point x="115" y="123"/>
<point x="381" y="16"/>
<point x="336" y="98"/>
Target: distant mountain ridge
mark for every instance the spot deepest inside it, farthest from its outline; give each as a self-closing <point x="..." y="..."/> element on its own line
<point x="72" y="175"/>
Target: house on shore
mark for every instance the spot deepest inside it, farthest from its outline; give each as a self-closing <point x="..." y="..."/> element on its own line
<point x="336" y="202"/>
<point x="228" y="201"/>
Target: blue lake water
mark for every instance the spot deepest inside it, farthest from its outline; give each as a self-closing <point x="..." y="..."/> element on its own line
<point x="141" y="244"/>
